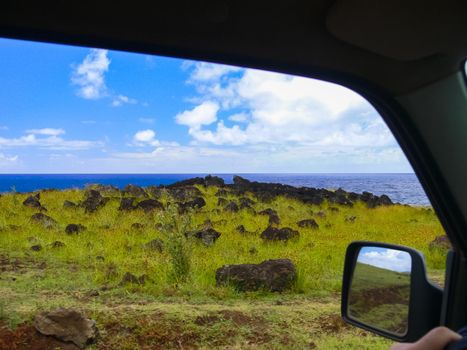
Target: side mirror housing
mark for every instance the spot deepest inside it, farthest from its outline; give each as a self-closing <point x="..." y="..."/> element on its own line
<point x="386" y="291"/>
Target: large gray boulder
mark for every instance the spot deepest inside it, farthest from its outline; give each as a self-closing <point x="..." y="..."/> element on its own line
<point x="67" y="325"/>
<point x="270" y="275"/>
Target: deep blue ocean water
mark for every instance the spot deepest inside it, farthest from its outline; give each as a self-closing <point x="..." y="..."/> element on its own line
<point x="402" y="188"/>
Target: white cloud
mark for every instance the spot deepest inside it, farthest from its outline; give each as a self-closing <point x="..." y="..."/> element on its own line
<point x="203" y="114"/>
<point x="47" y="138"/>
<point x="389" y="259"/>
<point x="46" y="131"/>
<point x="89" y="75"/>
<point x="204" y="72"/>
<point x="147" y="120"/>
<point x="120" y="100"/>
<point x="145" y="138"/>
<point x="292" y="113"/>
<point x="239" y="118"/>
<point x="4" y="159"/>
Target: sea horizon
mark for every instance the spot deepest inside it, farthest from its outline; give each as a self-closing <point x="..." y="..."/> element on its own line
<point x="400" y="187"/>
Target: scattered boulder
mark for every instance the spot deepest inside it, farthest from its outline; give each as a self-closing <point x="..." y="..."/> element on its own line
<point x="321" y="214"/>
<point x="67" y="325"/>
<point x="253" y="250"/>
<point x="197" y="203"/>
<point x="129" y="278"/>
<point x="308" y="223"/>
<point x="271" y="275"/>
<point x="279" y="234"/>
<point x="107" y="189"/>
<point x="36" y="248"/>
<point x="213" y="181"/>
<point x="137" y="226"/>
<point x="246" y="202"/>
<point x="34" y="202"/>
<point x="206" y="181"/>
<point x="232" y="207"/>
<point x="350" y="218"/>
<point x="222" y="193"/>
<point x="155" y="245"/>
<point x="334" y="209"/>
<point x="207" y="236"/>
<point x="93" y="201"/>
<point x="441" y="242"/>
<point x="126" y="203"/>
<point x="43" y="219"/>
<point x="184" y="194"/>
<point x="57" y="244"/>
<point x="266" y="192"/>
<point x="149" y="205"/>
<point x="134" y="191"/>
<point x="221" y="202"/>
<point x="69" y="204"/>
<point x="155" y="191"/>
<point x="273" y="217"/>
<point x="373" y="201"/>
<point x="242" y="230"/>
<point x="74" y="229"/>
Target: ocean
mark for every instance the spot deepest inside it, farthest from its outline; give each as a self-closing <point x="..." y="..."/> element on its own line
<point x="402" y="188"/>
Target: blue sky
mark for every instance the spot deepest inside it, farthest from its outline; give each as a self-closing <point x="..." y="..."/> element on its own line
<point x="390" y="259"/>
<point x="78" y="110"/>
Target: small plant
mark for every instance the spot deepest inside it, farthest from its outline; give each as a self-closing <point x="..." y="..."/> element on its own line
<point x="174" y="228"/>
<point x="15" y="197"/>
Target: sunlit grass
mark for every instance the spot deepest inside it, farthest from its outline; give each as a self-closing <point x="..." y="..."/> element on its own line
<point x="97" y="258"/>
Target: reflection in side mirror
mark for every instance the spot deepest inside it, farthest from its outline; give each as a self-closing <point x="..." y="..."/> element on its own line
<point x="380" y="289"/>
<point x="385" y="290"/>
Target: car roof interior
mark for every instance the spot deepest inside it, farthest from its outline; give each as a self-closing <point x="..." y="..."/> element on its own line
<point x="396" y="45"/>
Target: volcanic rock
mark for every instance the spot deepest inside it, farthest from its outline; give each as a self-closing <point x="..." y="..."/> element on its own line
<point x="74" y="228"/>
<point x="441" y="242"/>
<point x="126" y="203"/>
<point x="134" y="191"/>
<point x="69" y="204"/>
<point x="308" y="223"/>
<point x="279" y="234"/>
<point x="155" y="245"/>
<point x="271" y="275"/>
<point x="33" y="201"/>
<point x="207" y="236"/>
<point x="232" y="207"/>
<point x="93" y="201"/>
<point x="149" y="205"/>
<point x="43" y="219"/>
<point x="273" y="217"/>
<point x="67" y="325"/>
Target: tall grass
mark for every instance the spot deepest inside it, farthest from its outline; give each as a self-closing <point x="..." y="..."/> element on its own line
<point x="111" y="246"/>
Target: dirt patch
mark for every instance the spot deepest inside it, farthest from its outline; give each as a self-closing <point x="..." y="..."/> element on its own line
<point x="237" y="317"/>
<point x="149" y="333"/>
<point x="19" y="265"/>
<point x="331" y="323"/>
<point x="25" y="337"/>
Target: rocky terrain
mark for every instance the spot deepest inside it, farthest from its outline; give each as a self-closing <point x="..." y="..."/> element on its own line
<point x="194" y="259"/>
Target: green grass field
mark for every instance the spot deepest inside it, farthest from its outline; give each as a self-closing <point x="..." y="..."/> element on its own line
<point x="380" y="297"/>
<point x="188" y="311"/>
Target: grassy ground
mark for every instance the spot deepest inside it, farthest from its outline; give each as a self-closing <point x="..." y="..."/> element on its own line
<point x="192" y="312"/>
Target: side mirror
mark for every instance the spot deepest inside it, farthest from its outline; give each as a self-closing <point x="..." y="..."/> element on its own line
<point x="385" y="290"/>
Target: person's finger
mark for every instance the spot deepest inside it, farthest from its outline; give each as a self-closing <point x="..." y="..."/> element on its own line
<point x="436" y="339"/>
